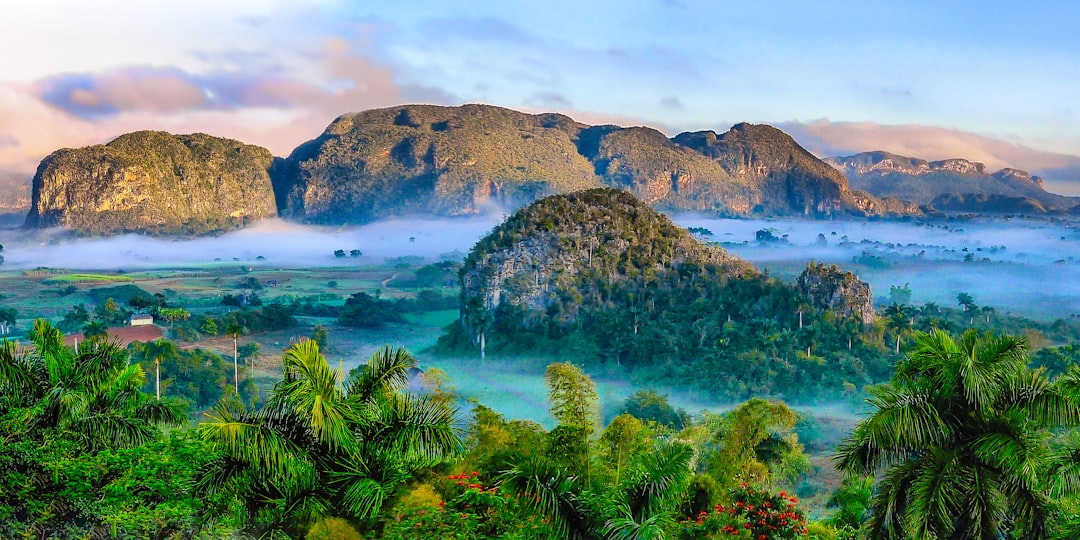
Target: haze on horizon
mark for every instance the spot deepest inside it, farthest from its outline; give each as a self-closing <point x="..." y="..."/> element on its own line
<point x="990" y="81"/>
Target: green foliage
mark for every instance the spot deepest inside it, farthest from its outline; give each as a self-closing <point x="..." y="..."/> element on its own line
<point x="320" y="335"/>
<point x="472" y="509"/>
<point x="318" y="450"/>
<point x="753" y="514"/>
<point x="650" y="406"/>
<point x="755" y="443"/>
<point x="365" y="311"/>
<point x="961" y="431"/>
<point x="92" y="396"/>
<point x="74" y="320"/>
<point x="199" y="376"/>
<point x="615" y="283"/>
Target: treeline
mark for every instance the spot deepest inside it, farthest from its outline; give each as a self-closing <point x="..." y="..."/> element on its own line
<point x="728" y="338"/>
<point x="86" y="454"/>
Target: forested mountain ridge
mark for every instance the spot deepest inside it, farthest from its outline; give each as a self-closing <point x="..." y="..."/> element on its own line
<point x="461" y="160"/>
<point x="600" y="276"/>
<point x="153" y="182"/>
<point x="951" y="184"/>
<point x="433" y="160"/>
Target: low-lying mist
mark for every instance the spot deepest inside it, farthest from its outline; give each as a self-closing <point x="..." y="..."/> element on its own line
<point x="1029" y="267"/>
<point x="278" y="243"/>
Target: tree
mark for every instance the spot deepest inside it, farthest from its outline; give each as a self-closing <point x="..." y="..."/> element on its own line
<point x="209" y="327"/>
<point x="316" y="450"/>
<point x="961" y="433"/>
<point x="320" y="335"/>
<point x="91" y="396"/>
<point x="852" y="501"/>
<point x="900" y="294"/>
<point x="899" y="319"/>
<point x="967" y="302"/>
<point x="339" y="253"/>
<point x="575" y="406"/>
<point x="235" y="331"/>
<point x="173" y="314"/>
<point x="95" y="329"/>
<point x="756" y="442"/>
<point x="159" y="351"/>
<point x="8" y="316"/>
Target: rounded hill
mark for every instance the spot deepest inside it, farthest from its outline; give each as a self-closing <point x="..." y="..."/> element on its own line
<point x="600" y="277"/>
<point x="154" y="182"/>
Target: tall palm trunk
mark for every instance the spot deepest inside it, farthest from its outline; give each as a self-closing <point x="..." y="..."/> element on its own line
<point x="157" y="379"/>
<point x="235" y="370"/>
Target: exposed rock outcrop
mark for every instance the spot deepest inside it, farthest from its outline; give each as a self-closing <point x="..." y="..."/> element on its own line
<point x="462" y="160"/>
<point x="156" y="183"/>
<point x="956" y="185"/>
<point x="829" y="287"/>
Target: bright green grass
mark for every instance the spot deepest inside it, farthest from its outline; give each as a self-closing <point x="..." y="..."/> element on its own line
<point x="436" y="319"/>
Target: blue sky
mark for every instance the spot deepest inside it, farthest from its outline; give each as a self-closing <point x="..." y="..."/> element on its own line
<point x="994" y="81"/>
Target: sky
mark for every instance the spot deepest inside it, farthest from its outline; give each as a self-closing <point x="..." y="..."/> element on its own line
<point x="992" y="81"/>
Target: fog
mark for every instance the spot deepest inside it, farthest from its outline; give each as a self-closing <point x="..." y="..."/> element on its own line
<point x="1025" y="266"/>
<point x="279" y="243"/>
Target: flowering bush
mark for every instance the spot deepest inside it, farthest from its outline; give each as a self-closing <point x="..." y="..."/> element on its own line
<point x="754" y="515"/>
<point x="473" y="510"/>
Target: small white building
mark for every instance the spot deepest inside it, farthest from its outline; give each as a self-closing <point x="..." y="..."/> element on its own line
<point x="141" y="319"/>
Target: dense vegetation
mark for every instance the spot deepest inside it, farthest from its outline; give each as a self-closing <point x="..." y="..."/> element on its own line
<point x="966" y="440"/>
<point x="602" y="277"/>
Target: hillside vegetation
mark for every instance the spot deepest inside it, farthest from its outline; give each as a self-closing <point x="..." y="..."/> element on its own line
<point x="463" y="160"/>
<point x="600" y="276"/>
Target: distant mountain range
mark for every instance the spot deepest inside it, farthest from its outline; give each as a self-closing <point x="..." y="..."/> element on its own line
<point x="459" y="161"/>
<point x="953" y="185"/>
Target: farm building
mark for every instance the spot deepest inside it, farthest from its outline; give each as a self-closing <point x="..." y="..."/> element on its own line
<point x="141" y="319"/>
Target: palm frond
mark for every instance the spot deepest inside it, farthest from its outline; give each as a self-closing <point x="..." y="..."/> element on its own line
<point x="660" y="477"/>
<point x="310" y="389"/>
<point x="386" y="371"/>
<point x="934" y="497"/>
<point x="550" y="491"/>
<point x="418" y="427"/>
<point x="245" y="437"/>
<point x="624" y="527"/>
<point x="114" y="430"/>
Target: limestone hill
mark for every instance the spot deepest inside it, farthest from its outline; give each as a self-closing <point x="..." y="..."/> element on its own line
<point x="153" y="182"/>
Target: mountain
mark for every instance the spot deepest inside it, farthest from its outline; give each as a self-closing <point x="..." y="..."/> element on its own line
<point x="154" y="182"/>
<point x="462" y="160"/>
<point x="952" y="185"/>
<point x="600" y="277"/>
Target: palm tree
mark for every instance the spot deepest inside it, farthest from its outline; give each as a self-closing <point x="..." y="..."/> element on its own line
<point x="92" y="395"/>
<point x="897" y="319"/>
<point x="961" y="433"/>
<point x="317" y="450"/>
<point x="158" y="351"/>
<point x="235" y="331"/>
<point x="644" y="505"/>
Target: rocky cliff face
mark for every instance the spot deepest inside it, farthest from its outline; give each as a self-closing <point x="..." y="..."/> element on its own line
<point x="426" y="159"/>
<point x="154" y="182"/>
<point x="829" y="287"/>
<point x="788" y="177"/>
<point x="560" y="249"/>
<point x="463" y="160"/>
<point x="951" y="184"/>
